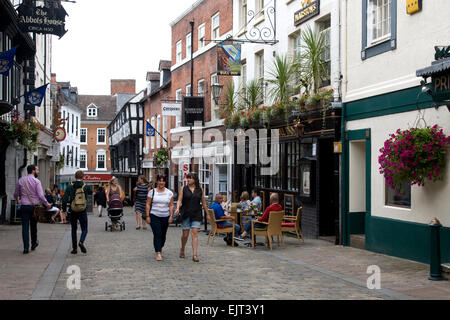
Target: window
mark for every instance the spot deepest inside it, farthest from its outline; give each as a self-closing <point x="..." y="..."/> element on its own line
<point x="201" y="36"/>
<point x="179" y="53"/>
<point x="259" y="65"/>
<point x="179" y="98"/>
<point x="83" y="136"/>
<point x="64" y="117"/>
<point x="293" y="159"/>
<point x="92" y="112"/>
<point x="71" y="158"/>
<point x="295" y="44"/>
<point x="214" y="107"/>
<point x="397" y="199"/>
<point x="188" y="45"/>
<point x="165" y="125"/>
<point x="201" y="87"/>
<point x="83" y="160"/>
<point x="101" y="160"/>
<point x="101" y="136"/>
<point x="158" y="128"/>
<point x="215" y="25"/>
<point x="243" y="14"/>
<point x="379" y="32"/>
<point x="259" y="5"/>
<point x="153" y="138"/>
<point x="204" y="175"/>
<point x="73" y="117"/>
<point x="243" y="78"/>
<point x="324" y="29"/>
<point x="188" y="90"/>
<point x="68" y="156"/>
<point x="76" y="157"/>
<point x="76" y="132"/>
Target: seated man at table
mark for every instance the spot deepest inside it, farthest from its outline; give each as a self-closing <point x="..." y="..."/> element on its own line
<point x="224" y="219"/>
<point x="274" y="206"/>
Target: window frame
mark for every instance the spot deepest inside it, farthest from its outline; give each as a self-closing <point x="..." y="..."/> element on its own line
<point x="179" y="52"/>
<point x="202" y="93"/>
<point x="86" y="135"/>
<point x="188" y="45"/>
<point x="101" y="143"/>
<point x="201" y="43"/>
<point x="83" y="153"/>
<point x="388" y="44"/>
<point x="101" y="153"/>
<point x="215" y="36"/>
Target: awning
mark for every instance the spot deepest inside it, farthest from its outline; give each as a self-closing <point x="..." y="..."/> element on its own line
<point x="435" y="68"/>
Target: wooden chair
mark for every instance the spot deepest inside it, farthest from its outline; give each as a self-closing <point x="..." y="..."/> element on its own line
<point x="291" y="223"/>
<point x="216" y="229"/>
<point x="273" y="228"/>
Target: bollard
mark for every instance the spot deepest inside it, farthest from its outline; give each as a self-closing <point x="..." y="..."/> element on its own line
<point x="435" y="251"/>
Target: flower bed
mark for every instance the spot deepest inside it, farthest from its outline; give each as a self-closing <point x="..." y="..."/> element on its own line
<point x="414" y="156"/>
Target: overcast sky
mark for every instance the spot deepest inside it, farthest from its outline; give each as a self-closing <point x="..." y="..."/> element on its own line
<point x="114" y="39"/>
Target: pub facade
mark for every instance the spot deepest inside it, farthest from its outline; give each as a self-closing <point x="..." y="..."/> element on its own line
<point x="309" y="167"/>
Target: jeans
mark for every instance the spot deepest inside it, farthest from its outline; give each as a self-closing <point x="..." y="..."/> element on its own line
<point x="159" y="227"/>
<point x="28" y="224"/>
<point x="229" y="224"/>
<point x="248" y="226"/>
<point x="74" y="218"/>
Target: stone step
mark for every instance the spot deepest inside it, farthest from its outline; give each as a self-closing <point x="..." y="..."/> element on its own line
<point x="358" y="241"/>
<point x="446" y="271"/>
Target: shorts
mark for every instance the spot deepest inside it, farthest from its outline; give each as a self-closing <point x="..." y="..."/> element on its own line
<point x="187" y="224"/>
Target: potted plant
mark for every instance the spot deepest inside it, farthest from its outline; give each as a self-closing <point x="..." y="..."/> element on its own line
<point x="414" y="156"/>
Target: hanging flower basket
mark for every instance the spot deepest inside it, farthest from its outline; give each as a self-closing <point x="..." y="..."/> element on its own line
<point x="25" y="132"/>
<point x="414" y="156"/>
<point x="161" y="157"/>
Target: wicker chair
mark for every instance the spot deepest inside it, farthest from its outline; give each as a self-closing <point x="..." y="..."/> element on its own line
<point x="273" y="228"/>
<point x="291" y="223"/>
<point x="216" y="229"/>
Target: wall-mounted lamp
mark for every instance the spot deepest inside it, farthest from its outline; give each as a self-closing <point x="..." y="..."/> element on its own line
<point x="216" y="89"/>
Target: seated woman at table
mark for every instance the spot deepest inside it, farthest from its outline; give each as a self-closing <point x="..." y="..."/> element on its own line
<point x="245" y="202"/>
<point x="54" y="210"/>
<point x="274" y="206"/>
<point x="223" y="220"/>
<point x="256" y="200"/>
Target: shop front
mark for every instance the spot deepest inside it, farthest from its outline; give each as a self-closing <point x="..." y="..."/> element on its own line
<point x="306" y="171"/>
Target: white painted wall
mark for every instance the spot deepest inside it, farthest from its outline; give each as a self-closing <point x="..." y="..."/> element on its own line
<point x="417" y="35"/>
<point x="285" y="10"/>
<point x="71" y="140"/>
<point x="427" y="202"/>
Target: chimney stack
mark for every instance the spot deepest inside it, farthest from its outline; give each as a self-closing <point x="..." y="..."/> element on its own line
<point x="123" y="86"/>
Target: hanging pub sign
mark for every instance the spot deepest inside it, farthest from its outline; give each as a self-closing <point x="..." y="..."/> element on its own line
<point x="229" y="59"/>
<point x="441" y="79"/>
<point x="310" y="9"/>
<point x="49" y="19"/>
<point x="193" y="111"/>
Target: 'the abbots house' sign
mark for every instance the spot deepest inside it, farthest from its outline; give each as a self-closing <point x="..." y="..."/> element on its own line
<point x="44" y="20"/>
<point x="310" y="9"/>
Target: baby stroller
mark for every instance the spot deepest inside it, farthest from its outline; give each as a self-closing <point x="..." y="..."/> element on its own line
<point x="115" y="215"/>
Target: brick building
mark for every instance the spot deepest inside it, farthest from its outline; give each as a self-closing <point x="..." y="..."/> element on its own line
<point x="213" y="21"/>
<point x="158" y="92"/>
<point x="98" y="112"/>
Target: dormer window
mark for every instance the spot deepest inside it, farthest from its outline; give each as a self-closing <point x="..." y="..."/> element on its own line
<point x="92" y="112"/>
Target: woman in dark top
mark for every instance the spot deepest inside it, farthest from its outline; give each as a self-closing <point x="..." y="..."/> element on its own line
<point x="191" y="199"/>
<point x="100" y="200"/>
<point x="142" y="189"/>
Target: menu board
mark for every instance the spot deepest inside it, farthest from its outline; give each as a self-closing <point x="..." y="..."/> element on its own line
<point x="289" y="204"/>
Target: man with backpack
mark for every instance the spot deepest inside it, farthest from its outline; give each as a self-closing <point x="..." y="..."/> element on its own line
<point x="76" y="197"/>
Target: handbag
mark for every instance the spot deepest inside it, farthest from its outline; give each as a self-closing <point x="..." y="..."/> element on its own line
<point x="37" y="208"/>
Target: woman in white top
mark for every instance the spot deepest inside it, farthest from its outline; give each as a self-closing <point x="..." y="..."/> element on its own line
<point x="159" y="213"/>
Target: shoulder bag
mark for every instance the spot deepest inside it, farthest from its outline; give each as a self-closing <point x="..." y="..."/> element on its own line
<point x="37" y="208"/>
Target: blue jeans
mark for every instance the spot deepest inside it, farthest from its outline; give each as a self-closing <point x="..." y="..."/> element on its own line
<point x="28" y="224"/>
<point x="159" y="227"/>
<point x="229" y="224"/>
<point x="74" y="218"/>
<point x="248" y="226"/>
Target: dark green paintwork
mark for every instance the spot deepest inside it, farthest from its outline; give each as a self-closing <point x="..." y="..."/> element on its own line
<point x="356" y="222"/>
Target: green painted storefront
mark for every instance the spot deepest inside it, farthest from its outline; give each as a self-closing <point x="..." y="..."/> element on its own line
<point x="387" y="236"/>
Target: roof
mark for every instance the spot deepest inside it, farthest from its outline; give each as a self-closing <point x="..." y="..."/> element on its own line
<point x="436" y="67"/>
<point x="153" y="76"/>
<point x="106" y="107"/>
<point x="165" y="64"/>
<point x="66" y="101"/>
<point x="186" y="12"/>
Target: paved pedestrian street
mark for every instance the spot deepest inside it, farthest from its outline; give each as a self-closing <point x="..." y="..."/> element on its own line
<point x="122" y="265"/>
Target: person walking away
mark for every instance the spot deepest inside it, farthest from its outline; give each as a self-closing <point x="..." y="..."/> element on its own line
<point x="100" y="200"/>
<point x="224" y="220"/>
<point x="28" y="194"/>
<point x="141" y="191"/>
<point x="75" y="197"/>
<point x="190" y="202"/>
<point x="114" y="195"/>
<point x="274" y="206"/>
<point x="159" y="213"/>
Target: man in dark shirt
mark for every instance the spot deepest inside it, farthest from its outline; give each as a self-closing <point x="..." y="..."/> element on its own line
<point x="69" y="196"/>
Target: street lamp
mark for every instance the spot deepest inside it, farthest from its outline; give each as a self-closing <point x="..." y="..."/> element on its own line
<point x="216" y="91"/>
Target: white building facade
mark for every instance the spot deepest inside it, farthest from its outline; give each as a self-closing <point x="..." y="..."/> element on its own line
<point x="384" y="47"/>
